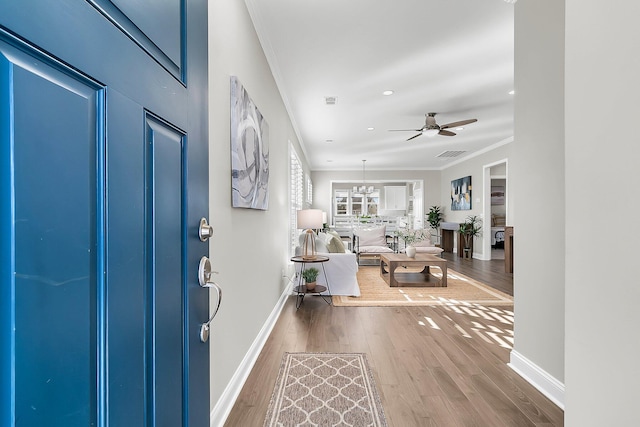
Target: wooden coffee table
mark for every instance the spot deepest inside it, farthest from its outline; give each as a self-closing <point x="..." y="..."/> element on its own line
<point x="389" y="264"/>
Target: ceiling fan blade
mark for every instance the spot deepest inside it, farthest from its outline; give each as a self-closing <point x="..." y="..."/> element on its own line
<point x="446" y="133"/>
<point x="414" y="136"/>
<point x="460" y="123"/>
<point x="404" y="130"/>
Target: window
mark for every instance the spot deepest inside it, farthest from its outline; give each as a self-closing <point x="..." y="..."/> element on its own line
<point x="373" y="202"/>
<point x="347" y="203"/>
<point x="309" y="190"/>
<point x="341" y="202"/>
<point x="295" y="179"/>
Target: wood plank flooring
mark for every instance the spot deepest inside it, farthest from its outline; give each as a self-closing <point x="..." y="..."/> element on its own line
<point x="433" y="366"/>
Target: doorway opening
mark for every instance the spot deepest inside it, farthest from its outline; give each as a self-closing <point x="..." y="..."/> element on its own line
<point x="495" y="209"/>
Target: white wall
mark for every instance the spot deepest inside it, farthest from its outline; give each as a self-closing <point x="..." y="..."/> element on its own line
<point x="243" y="237"/>
<point x="602" y="287"/>
<point x="537" y="187"/>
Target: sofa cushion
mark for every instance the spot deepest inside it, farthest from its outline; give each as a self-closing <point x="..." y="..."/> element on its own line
<point x="321" y="246"/>
<point x="372" y="236"/>
<point x="429" y="250"/>
<point x="375" y="249"/>
<point x="423" y="243"/>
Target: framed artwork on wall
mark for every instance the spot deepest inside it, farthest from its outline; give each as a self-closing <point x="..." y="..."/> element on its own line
<point x="497" y="195"/>
<point x="461" y="194"/>
<point x="249" y="151"/>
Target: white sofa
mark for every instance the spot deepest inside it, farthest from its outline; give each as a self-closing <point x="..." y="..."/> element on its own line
<point x="341" y="268"/>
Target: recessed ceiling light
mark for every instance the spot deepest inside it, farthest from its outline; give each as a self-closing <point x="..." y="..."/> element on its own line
<point x="512" y="92"/>
<point x="329" y="141"/>
<point x="459" y="128"/>
<point x="370" y="128"/>
<point x="387" y="92"/>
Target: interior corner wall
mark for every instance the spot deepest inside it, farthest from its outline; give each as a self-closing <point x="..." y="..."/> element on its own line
<point x="474" y="167"/>
<point x="537" y="177"/>
<point x="249" y="247"/>
<point x="602" y="285"/>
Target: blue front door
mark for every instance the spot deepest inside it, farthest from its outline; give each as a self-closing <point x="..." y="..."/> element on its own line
<point x="103" y="181"/>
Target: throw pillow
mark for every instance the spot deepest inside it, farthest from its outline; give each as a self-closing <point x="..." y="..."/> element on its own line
<point x="335" y="245"/>
<point x="335" y="234"/>
<point x="372" y="237"/>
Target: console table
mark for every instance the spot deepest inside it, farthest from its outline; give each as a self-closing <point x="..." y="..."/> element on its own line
<point x="508" y="249"/>
<point x="447" y="230"/>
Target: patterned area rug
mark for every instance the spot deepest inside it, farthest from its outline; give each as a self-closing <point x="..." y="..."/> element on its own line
<point x="325" y="389"/>
<point x="374" y="292"/>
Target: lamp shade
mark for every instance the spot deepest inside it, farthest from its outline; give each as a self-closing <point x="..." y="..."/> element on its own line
<point x="309" y="218"/>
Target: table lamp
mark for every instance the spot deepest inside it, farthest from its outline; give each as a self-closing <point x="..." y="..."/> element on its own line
<point x="309" y="219"/>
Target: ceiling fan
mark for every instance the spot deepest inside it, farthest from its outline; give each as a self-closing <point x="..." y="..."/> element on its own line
<point x="431" y="128"/>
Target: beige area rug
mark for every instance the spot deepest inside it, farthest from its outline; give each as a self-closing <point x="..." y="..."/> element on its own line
<point x="460" y="290"/>
<point x="325" y="389"/>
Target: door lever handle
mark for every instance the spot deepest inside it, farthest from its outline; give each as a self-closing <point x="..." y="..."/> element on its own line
<point x="205" y="327"/>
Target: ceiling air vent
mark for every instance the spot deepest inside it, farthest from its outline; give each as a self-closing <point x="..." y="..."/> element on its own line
<point x="330" y="100"/>
<point x="450" y="153"/>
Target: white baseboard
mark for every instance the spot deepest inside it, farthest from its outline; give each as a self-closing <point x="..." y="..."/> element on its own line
<point x="221" y="410"/>
<point x="539" y="378"/>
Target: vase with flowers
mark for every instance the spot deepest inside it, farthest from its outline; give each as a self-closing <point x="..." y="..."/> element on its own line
<point x="410" y="237"/>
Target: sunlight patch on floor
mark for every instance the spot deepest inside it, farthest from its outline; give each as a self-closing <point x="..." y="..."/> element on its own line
<point x="487" y="332"/>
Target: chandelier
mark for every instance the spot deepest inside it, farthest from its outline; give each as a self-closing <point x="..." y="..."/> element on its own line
<point x="363" y="189"/>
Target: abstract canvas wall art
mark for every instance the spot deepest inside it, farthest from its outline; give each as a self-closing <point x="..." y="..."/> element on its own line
<point x="461" y="194"/>
<point x="249" y="151"/>
<point x="497" y="195"/>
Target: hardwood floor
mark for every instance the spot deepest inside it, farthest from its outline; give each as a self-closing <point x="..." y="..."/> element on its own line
<point x="433" y="366"/>
<point x="490" y="272"/>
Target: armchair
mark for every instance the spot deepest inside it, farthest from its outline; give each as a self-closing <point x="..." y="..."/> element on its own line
<point x="370" y="243"/>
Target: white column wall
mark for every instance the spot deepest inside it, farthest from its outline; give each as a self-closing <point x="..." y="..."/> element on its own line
<point x="538" y="192"/>
<point x="602" y="169"/>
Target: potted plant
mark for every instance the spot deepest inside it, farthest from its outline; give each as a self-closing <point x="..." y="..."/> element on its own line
<point x="310" y="275"/>
<point x="470" y="228"/>
<point x="434" y="218"/>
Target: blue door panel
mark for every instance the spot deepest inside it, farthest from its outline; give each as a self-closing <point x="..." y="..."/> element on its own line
<point x="99" y="300"/>
<point x="157" y="27"/>
<point x="56" y="117"/>
<point x="126" y="272"/>
<point x="75" y="32"/>
<point x="161" y="22"/>
<point x="165" y="265"/>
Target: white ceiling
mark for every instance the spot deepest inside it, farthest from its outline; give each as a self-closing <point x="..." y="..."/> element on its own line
<point x="452" y="57"/>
